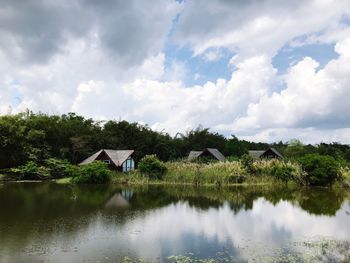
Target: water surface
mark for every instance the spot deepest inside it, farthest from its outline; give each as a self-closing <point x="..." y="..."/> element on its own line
<point x="42" y="222"/>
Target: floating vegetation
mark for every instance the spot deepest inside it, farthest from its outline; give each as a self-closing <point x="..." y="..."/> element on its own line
<point x="318" y="250"/>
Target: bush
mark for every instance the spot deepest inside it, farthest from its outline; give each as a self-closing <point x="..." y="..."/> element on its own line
<point x="93" y="173"/>
<point x="247" y="162"/>
<point x="281" y="170"/>
<point x="151" y="166"/>
<point x="320" y="169"/>
<point x="30" y="171"/>
<point x="345" y="176"/>
<point x="59" y="168"/>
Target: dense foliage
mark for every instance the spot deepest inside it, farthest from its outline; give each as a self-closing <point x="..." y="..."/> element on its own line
<point x="37" y="137"/>
<point x="36" y="144"/>
<point x="96" y="172"/>
<point x="321" y="170"/>
<point x="50" y="169"/>
<point x="151" y="166"/>
<point x="93" y="173"/>
<point x="30" y="171"/>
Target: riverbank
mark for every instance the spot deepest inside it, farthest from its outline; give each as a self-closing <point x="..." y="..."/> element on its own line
<point x="267" y="172"/>
<point x="243" y="172"/>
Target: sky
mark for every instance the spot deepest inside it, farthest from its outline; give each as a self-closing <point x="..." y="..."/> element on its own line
<point x="263" y="70"/>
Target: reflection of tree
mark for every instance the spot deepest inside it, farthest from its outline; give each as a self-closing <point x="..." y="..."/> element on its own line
<point x="44" y="209"/>
<point x="29" y="210"/>
<point x="313" y="200"/>
<point x="321" y="201"/>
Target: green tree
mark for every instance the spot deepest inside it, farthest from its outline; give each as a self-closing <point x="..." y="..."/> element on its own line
<point x="320" y="169"/>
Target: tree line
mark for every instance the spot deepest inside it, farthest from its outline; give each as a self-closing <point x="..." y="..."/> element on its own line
<point x="37" y="136"/>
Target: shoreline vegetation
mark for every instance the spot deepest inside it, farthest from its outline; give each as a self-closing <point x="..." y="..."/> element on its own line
<point x="48" y="147"/>
<point x="152" y="171"/>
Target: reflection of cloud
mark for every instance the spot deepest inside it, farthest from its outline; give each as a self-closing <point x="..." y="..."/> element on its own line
<point x="180" y="228"/>
<point x="265" y="223"/>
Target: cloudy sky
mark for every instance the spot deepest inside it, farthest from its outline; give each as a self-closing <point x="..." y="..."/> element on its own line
<point x="264" y="70"/>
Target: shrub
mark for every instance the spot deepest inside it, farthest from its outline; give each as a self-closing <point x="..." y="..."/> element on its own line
<point x="281" y="170"/>
<point x="93" y="173"/>
<point x="345" y="176"/>
<point x="151" y="166"/>
<point x="247" y="162"/>
<point x="320" y="169"/>
<point x="59" y="168"/>
<point x="31" y="171"/>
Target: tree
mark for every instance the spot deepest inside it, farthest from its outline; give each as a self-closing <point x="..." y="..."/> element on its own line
<point x="320" y="169"/>
<point x="235" y="147"/>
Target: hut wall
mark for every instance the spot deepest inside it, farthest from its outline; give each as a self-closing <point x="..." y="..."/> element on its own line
<point x="103" y="157"/>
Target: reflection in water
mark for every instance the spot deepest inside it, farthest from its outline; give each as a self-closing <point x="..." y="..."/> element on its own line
<point x="73" y="223"/>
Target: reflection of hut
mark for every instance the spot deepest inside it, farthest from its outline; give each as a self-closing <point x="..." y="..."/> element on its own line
<point x="268" y="154"/>
<point x="127" y="194"/>
<point x="210" y="153"/>
<point x="119" y="160"/>
<point x="120" y="200"/>
<point x="117" y="201"/>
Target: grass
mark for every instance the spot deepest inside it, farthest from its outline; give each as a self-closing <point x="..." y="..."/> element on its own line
<point x="260" y="172"/>
<point x="66" y="180"/>
<point x="345" y="176"/>
<point x="267" y="172"/>
<point x="213" y="173"/>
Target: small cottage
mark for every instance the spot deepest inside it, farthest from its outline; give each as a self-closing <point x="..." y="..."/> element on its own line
<point x="209" y="153"/>
<point x="267" y="154"/>
<point x="118" y="160"/>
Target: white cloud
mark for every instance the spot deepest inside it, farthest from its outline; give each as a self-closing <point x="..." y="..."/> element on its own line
<point x="255" y="27"/>
<point x="312" y="99"/>
<point x="213" y="55"/>
<point x="208" y="105"/>
<point x="115" y="65"/>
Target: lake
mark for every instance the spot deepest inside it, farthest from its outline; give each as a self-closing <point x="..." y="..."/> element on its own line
<point x="47" y="222"/>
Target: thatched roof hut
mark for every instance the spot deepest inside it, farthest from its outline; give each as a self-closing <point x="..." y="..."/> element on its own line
<point x="120" y="160"/>
<point x="211" y="152"/>
<point x="269" y="153"/>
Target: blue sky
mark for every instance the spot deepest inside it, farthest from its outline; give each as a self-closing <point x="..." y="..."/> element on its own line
<point x="198" y="69"/>
<point x="264" y="70"/>
<point x="288" y="56"/>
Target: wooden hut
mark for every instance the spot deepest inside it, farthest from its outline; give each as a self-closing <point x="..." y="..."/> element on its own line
<point x="267" y="154"/>
<point x="208" y="152"/>
<point x="118" y="160"/>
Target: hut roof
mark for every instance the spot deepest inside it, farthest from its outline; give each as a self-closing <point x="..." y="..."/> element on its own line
<point x="194" y="154"/>
<point x="214" y="152"/>
<point x="256" y="154"/>
<point x="218" y="155"/>
<point x="276" y="152"/>
<point x="118" y="157"/>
